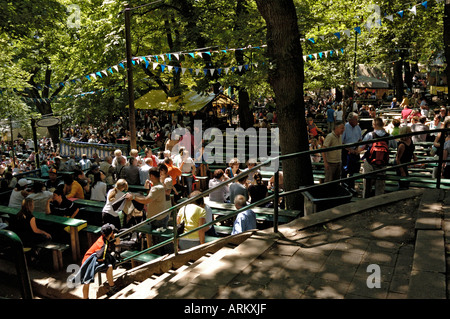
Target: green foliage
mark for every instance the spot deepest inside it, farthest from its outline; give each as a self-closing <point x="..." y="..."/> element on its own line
<point x="40" y="47"/>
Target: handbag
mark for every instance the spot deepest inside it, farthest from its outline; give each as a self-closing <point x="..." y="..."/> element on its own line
<point x="180" y="227"/>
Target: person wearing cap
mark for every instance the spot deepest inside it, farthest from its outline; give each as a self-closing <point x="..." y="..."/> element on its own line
<point x="53" y="181"/>
<point x="99" y="258"/>
<point x="19" y="193"/>
<point x="61" y="206"/>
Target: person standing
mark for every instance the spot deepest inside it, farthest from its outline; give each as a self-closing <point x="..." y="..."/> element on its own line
<point x="193" y="216"/>
<point x="332" y="159"/>
<point x="405" y="153"/>
<point x="370" y="163"/>
<point x="350" y="155"/>
<point x="155" y="200"/>
<point x="330" y="118"/>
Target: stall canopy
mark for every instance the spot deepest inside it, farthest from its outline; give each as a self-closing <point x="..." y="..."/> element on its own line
<point x="372" y="78"/>
<point x="157" y="100"/>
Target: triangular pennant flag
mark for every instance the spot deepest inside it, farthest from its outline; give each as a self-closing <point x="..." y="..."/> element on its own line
<point x="162" y="67"/>
<point x="219" y="71"/>
<point x="342" y="50"/>
<point x="226" y="70"/>
<point x="104" y="72"/>
<point x="413" y="10"/>
<point x="338" y="34"/>
<point x="99" y="74"/>
<point x="331" y="52"/>
<point x="390" y="17"/>
<point x="146" y="62"/>
<point x="205" y="71"/>
<point x="208" y="53"/>
<point x="110" y="70"/>
<point x="176" y="69"/>
<point x="312" y="40"/>
<point x="116" y="67"/>
<point x="155" y="65"/>
<point x="240" y="68"/>
<point x="169" y="67"/>
<point x="211" y="71"/>
<point x="246" y="66"/>
<point x="326" y="54"/>
<point x="88" y="77"/>
<point x="183" y="70"/>
<point x="400" y="13"/>
<point x="191" y="70"/>
<point x="425" y="4"/>
<point x="134" y="62"/>
<point x="320" y="55"/>
<point x="255" y="64"/>
<point x="176" y="55"/>
<point x="79" y="80"/>
<point x="310" y="56"/>
<point x="315" y="55"/>
<point x="199" y="54"/>
<point x="197" y="71"/>
<point x="232" y="69"/>
<point x="192" y="55"/>
<point x="169" y="55"/>
<point x="93" y="75"/>
<point x="322" y="37"/>
<point x="347" y="32"/>
<point x="121" y="64"/>
<point x="358" y="29"/>
<point x="162" y="57"/>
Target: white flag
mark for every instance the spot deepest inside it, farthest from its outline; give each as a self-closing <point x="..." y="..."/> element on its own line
<point x="347" y="32"/>
<point x="413" y="10"/>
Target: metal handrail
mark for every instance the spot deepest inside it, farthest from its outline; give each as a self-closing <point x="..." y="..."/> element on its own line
<point x="11" y="238"/>
<point x="276" y="194"/>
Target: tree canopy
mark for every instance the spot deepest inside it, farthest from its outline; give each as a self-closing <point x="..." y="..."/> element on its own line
<point x="65" y="57"/>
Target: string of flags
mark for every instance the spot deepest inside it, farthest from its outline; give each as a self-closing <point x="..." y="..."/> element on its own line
<point x="161" y="60"/>
<point x="369" y="25"/>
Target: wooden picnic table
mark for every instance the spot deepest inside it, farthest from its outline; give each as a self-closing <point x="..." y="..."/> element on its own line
<point x="75" y="225"/>
<point x="292" y="214"/>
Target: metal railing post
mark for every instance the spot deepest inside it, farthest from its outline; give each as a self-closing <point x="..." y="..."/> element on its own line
<point x="175" y="232"/>
<point x="440" y="153"/>
<point x="276" y="200"/>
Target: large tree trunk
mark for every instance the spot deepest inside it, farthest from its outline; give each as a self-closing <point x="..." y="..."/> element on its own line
<point x="398" y="80"/>
<point x="286" y="78"/>
<point x="447" y="40"/>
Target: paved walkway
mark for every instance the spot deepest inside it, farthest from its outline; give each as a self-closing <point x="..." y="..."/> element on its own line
<point x="337" y="254"/>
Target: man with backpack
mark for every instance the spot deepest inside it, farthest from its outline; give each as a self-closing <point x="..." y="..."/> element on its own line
<point x="376" y="157"/>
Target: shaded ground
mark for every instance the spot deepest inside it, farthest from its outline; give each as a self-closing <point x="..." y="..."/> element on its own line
<point x="331" y="260"/>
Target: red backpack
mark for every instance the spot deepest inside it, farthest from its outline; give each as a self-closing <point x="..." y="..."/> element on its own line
<point x="378" y="152"/>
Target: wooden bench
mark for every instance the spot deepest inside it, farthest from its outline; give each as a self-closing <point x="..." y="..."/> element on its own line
<point x="143" y="258"/>
<point x="75" y="225"/>
<point x="57" y="250"/>
<point x="93" y="233"/>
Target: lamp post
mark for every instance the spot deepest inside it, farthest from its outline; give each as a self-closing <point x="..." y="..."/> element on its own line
<point x="131" y="118"/>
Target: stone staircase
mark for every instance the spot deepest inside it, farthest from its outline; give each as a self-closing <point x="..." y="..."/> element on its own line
<point x="312" y="257"/>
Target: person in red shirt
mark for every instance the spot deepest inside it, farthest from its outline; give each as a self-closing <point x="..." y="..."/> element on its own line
<point x="98" y="258"/>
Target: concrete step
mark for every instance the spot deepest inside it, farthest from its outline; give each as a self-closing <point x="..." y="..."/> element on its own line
<point x="203" y="281"/>
<point x="430" y="210"/>
<point x="428" y="274"/>
<point x="169" y="288"/>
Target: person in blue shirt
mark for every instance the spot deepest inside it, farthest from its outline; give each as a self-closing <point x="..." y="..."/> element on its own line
<point x="351" y="156"/>
<point x="245" y="220"/>
<point x="330" y="119"/>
